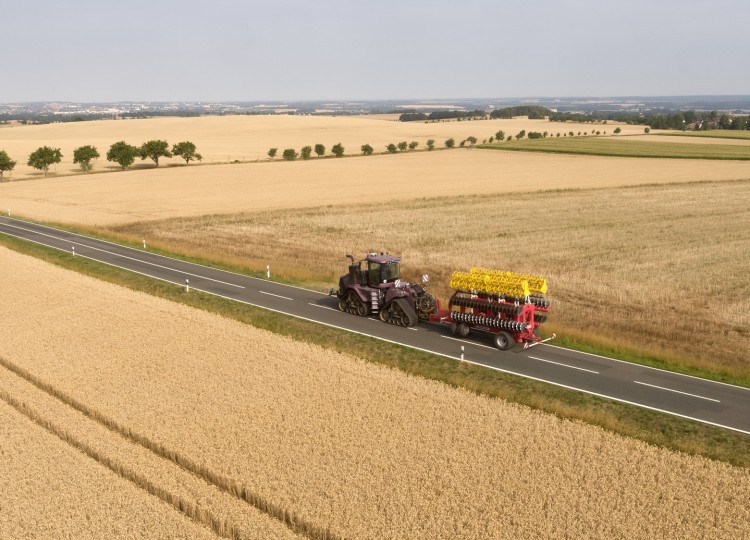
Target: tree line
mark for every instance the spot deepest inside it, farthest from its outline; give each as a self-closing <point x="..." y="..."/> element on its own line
<point x="683" y="120"/>
<point x="120" y="152"/>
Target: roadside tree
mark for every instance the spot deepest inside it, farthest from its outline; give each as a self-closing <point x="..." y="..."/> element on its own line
<point x="122" y="153"/>
<point x="450" y="143"/>
<point x="6" y="164"/>
<point x="402" y="146"/>
<point x="617" y="130"/>
<point x="43" y="157"/>
<point x="154" y="150"/>
<point x="471" y="140"/>
<point x="391" y="148"/>
<point x="337" y="150"/>
<point x="413" y="145"/>
<point x="290" y="154"/>
<point x="320" y="150"/>
<point x="500" y="135"/>
<point x="430" y="144"/>
<point x="272" y="152"/>
<point x="186" y="150"/>
<point x="83" y="156"/>
<point x="521" y="134"/>
<point x="306" y="152"/>
<point x="366" y="149"/>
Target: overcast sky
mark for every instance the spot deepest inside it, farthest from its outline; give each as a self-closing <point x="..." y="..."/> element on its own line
<point x="336" y="49"/>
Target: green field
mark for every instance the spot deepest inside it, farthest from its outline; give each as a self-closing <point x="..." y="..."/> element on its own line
<point x="712" y="134"/>
<point x="622" y="147"/>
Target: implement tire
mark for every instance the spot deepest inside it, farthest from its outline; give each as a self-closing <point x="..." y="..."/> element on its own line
<point x="503" y="341"/>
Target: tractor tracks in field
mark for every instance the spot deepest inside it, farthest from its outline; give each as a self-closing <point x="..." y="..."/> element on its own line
<point x="226" y="507"/>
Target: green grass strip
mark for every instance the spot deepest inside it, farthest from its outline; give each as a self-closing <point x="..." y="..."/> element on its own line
<point x="650" y="426"/>
<point x="622" y="147"/>
<point x="711" y="134"/>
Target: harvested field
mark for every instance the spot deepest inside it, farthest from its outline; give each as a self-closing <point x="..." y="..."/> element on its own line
<point x="223" y="139"/>
<point x="627" y="147"/>
<point x="198" y="190"/>
<point x="371" y="452"/>
<point x="653" y="266"/>
<point x="51" y="490"/>
<point x="711" y="133"/>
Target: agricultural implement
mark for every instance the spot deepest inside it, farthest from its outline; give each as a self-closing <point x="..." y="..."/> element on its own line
<point x="508" y="306"/>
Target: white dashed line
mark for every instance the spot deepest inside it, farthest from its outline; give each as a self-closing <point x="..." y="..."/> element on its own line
<point x="564" y="365"/>
<point x="677" y="391"/>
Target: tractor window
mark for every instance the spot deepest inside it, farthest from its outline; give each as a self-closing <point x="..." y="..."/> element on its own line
<point x="389" y="272"/>
<point x="374" y="276"/>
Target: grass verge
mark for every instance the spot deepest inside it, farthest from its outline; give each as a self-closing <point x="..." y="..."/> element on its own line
<point x="621" y="147"/>
<point x="655" y="428"/>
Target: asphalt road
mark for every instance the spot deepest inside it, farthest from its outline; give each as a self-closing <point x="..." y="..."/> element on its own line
<point x="714" y="403"/>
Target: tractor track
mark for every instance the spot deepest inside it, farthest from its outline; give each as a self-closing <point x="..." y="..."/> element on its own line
<point x="208" y="498"/>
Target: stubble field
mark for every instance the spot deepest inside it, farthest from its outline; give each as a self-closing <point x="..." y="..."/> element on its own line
<point x="370" y="452"/>
<point x="194" y="191"/>
<point x="224" y="139"/>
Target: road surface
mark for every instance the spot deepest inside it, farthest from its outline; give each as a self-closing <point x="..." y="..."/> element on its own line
<point x="702" y="400"/>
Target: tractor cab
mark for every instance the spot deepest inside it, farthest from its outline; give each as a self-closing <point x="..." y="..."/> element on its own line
<point x="382" y="269"/>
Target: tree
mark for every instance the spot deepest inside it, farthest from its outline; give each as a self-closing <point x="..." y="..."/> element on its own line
<point x="290" y="154"/>
<point x="413" y="145"/>
<point x="186" y="150"/>
<point x="471" y="140"/>
<point x="402" y="146"/>
<point x="43" y="157"/>
<point x="492" y="139"/>
<point x="272" y="152"/>
<point x="320" y="150"/>
<point x="6" y="164"/>
<point x="646" y="130"/>
<point x="122" y="153"/>
<point x="306" y="152"/>
<point x="337" y="150"/>
<point x="450" y="143"/>
<point x="521" y="134"/>
<point x="500" y="135"/>
<point x="83" y="155"/>
<point x="391" y="148"/>
<point x="509" y="138"/>
<point x="154" y="149"/>
<point x="430" y="144"/>
<point x="366" y="149"/>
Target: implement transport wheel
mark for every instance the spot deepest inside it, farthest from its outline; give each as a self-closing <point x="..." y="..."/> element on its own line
<point x="463" y="329"/>
<point x="503" y="341"/>
<point x="454" y="328"/>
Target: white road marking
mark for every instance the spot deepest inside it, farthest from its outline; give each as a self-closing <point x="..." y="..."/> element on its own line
<point x="648" y="367"/>
<point x="276" y="295"/>
<point x="677" y="391"/>
<point x="564" y="365"/>
<point x="126" y="257"/>
<point x="501" y="370"/>
<point x="324" y="307"/>
<point x="412" y="328"/>
<point x="138" y="250"/>
<point x="469" y="342"/>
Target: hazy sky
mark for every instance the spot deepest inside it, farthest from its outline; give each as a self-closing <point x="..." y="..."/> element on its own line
<point x="229" y="50"/>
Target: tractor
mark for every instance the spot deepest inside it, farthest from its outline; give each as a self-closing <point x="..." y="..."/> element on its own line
<point x="377" y="289"/>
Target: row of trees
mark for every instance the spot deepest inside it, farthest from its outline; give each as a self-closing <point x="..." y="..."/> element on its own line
<point x="120" y="152"/>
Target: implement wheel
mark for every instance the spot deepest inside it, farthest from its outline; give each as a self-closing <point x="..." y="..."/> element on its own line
<point x="463" y="329"/>
<point x="503" y="341"/>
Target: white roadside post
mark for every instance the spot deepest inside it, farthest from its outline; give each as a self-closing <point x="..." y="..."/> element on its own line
<point x="268" y="272"/>
<point x="462" y="353"/>
<point x="144" y="243"/>
<point x="74" y="251"/>
<point x="187" y="285"/>
<point x="8" y="212"/>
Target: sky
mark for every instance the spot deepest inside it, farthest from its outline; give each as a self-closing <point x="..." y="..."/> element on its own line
<point x="101" y="51"/>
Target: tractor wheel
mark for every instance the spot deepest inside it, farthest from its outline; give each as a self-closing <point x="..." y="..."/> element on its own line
<point x="504" y="341"/>
<point x="463" y="329"/>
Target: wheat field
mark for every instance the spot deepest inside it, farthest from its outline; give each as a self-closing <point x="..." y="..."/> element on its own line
<point x="359" y="449"/>
<point x="651" y="267"/>
<point x="50" y="490"/>
<point x="197" y="190"/>
<point x="223" y="139"/>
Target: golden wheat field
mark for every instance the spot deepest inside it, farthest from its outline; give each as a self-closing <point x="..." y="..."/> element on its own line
<point x="341" y="445"/>
<point x="50" y="490"/>
<point x="199" y="190"/>
<point x="222" y="139"/>
<point x="647" y="266"/>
